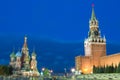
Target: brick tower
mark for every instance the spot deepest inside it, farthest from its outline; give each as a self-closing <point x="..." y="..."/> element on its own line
<point x="95" y="45"/>
<point x="95" y="48"/>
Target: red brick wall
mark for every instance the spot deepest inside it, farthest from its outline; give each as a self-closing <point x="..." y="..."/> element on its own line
<point x="86" y="66"/>
<point x="108" y="60"/>
<point x="83" y="63"/>
<point x="98" y="50"/>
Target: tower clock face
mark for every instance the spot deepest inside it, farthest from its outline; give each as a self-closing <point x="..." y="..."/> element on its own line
<point x="96" y="33"/>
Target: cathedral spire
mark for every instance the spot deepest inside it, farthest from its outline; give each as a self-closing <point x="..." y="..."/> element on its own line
<point x="93" y="17"/>
<point x="25" y="39"/>
<point x="25" y="42"/>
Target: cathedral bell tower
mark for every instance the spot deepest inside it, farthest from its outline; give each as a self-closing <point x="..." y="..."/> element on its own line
<point x="95" y="45"/>
<point x="25" y="55"/>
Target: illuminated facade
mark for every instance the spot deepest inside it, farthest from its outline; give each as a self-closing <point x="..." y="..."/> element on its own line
<point x="95" y="50"/>
<point x="22" y="63"/>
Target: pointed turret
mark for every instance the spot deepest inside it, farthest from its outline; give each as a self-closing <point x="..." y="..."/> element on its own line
<point x="93" y="17"/>
<point x="25" y="42"/>
<point x="93" y="23"/>
<point x="25" y="55"/>
<point x="12" y="55"/>
<point x="25" y="48"/>
<point x="104" y="38"/>
<point x="33" y="53"/>
<point x="12" y="59"/>
<point x="34" y="63"/>
<point x="94" y="30"/>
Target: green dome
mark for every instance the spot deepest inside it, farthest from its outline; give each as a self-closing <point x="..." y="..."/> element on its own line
<point x="33" y="54"/>
<point x="12" y="54"/>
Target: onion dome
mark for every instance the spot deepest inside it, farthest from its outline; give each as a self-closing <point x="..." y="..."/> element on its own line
<point x="33" y="53"/>
<point x="12" y="55"/>
<point x="18" y="54"/>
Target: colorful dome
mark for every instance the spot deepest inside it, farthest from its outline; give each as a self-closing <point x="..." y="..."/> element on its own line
<point x="12" y="54"/>
<point x="33" y="53"/>
<point x="18" y="54"/>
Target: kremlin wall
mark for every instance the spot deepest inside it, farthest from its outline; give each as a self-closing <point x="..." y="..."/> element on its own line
<point x="95" y="50"/>
<point x="110" y="59"/>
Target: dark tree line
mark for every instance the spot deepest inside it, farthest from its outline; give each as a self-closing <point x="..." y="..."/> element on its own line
<point x="107" y="69"/>
<point x="6" y="70"/>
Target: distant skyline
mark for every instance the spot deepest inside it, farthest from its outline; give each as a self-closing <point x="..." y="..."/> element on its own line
<point x="56" y="27"/>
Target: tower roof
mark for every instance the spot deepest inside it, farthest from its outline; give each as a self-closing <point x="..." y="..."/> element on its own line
<point x="12" y="54"/>
<point x="25" y="42"/>
<point x="93" y="17"/>
<point x="18" y="54"/>
<point x="33" y="53"/>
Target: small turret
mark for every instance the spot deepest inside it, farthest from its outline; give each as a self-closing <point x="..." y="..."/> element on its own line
<point x="25" y="42"/>
<point x="18" y="60"/>
<point x="33" y="61"/>
<point x="12" y="59"/>
<point x="12" y="55"/>
<point x="34" y="54"/>
<point x="18" y="54"/>
<point x="104" y="39"/>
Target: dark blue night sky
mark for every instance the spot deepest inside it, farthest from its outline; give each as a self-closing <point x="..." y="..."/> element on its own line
<point x="57" y="28"/>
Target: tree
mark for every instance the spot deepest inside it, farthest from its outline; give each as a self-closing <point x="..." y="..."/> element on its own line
<point x="46" y="73"/>
<point x="115" y="69"/>
<point x="6" y="70"/>
<point x="118" y="68"/>
<point x="111" y="68"/>
<point x="94" y="69"/>
<point x="101" y="69"/>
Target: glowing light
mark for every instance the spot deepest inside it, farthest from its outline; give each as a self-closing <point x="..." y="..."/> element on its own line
<point x="91" y="72"/>
<point x="51" y="71"/>
<point x="85" y="69"/>
<point x="32" y="67"/>
<point x="43" y="69"/>
<point x="73" y="70"/>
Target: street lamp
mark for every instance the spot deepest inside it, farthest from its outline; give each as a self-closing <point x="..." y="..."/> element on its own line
<point x="73" y="73"/>
<point x="43" y="69"/>
<point x="42" y="72"/>
<point x="51" y="71"/>
<point x="73" y="70"/>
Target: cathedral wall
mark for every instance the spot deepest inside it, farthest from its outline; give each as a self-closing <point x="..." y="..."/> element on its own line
<point x="108" y="60"/>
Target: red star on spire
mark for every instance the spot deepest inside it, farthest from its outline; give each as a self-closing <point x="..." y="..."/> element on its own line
<point x="93" y="5"/>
